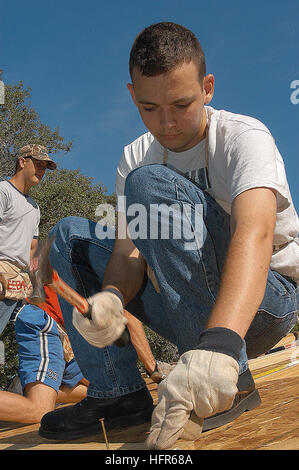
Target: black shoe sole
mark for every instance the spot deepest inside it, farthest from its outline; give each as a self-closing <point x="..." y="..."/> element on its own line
<point x="253" y="400"/>
<point x="140" y="417"/>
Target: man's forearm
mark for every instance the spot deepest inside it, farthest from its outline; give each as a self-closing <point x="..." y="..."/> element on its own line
<point x="243" y="281"/>
<point x="33" y="250"/>
<point x="125" y="274"/>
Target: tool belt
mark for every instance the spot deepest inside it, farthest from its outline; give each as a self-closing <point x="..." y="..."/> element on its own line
<point x="15" y="283"/>
<point x="66" y="345"/>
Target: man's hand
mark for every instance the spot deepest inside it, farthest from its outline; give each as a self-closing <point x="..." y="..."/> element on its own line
<point x="203" y="381"/>
<point x="107" y="321"/>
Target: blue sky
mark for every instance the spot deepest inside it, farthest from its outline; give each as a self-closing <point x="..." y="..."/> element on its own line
<point x="74" y="56"/>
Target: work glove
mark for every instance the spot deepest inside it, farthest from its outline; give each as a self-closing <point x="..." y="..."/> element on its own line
<point x="107" y="321"/>
<point x="203" y="383"/>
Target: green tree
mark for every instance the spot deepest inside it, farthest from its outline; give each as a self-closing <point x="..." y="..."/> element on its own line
<point x="60" y="194"/>
<point x="64" y="193"/>
<point x="20" y="125"/>
<point x="11" y="361"/>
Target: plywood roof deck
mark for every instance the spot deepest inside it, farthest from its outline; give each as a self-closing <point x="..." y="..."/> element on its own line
<point x="274" y="425"/>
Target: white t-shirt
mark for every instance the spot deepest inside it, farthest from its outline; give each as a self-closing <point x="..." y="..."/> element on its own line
<point x="242" y="154"/>
<point x="19" y="221"/>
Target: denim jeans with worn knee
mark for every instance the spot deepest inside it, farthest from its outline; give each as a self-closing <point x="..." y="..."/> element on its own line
<point x="187" y="267"/>
<point x="7" y="309"/>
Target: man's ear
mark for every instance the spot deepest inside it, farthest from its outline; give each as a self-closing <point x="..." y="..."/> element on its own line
<point x="208" y="86"/>
<point x="131" y="90"/>
<point x="22" y="162"/>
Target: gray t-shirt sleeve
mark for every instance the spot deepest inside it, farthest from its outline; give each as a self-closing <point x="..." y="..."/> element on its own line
<point x="3" y="203"/>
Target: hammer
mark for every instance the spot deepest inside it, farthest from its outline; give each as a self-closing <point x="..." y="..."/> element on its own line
<point x="46" y="275"/>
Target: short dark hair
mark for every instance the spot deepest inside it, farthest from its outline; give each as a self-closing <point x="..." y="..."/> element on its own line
<point x="162" y="46"/>
<point x="17" y="165"/>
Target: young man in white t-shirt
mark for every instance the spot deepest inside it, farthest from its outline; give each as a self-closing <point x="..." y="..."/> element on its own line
<point x="20" y="216"/>
<point x="215" y="231"/>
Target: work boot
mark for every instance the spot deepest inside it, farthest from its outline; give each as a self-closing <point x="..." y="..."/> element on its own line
<point x="82" y="419"/>
<point x="246" y="399"/>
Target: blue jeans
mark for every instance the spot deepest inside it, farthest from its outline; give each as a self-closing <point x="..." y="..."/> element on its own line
<point x="7" y="308"/>
<point x="188" y="281"/>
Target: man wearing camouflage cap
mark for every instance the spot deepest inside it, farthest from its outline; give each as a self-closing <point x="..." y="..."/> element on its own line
<point x="19" y="222"/>
<point x="37" y="152"/>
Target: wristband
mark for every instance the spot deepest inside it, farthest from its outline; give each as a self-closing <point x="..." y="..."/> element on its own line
<point x="116" y="292"/>
<point x="222" y="340"/>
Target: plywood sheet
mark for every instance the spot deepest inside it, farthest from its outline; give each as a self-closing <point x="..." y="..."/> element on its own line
<point x="273" y="425"/>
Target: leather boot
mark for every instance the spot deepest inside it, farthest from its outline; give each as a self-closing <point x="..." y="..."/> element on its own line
<point x="246" y="399"/>
<point x="82" y="419"/>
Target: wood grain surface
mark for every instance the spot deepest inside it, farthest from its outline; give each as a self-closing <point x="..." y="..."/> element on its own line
<point x="274" y="425"/>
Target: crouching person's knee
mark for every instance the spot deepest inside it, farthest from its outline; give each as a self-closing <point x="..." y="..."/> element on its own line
<point x="143" y="182"/>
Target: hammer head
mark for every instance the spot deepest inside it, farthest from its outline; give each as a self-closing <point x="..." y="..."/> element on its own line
<point x="38" y="294"/>
<point x="43" y="274"/>
<point x="44" y="266"/>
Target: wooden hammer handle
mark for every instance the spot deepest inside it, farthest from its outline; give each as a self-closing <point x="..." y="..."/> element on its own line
<point x="70" y="295"/>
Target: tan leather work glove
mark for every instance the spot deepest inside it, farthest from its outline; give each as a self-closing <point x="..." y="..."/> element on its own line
<point x="203" y="381"/>
<point x="107" y="321"/>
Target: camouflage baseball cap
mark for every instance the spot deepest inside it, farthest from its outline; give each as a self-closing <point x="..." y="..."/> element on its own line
<point x="38" y="152"/>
